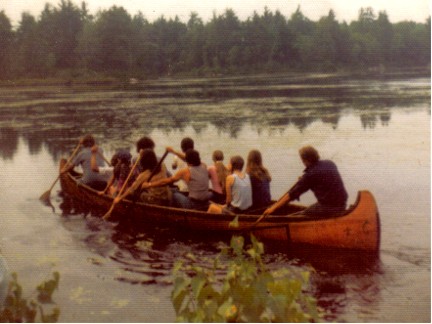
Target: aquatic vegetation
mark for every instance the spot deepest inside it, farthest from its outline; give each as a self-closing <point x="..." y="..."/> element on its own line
<point x="247" y="291"/>
<point x="17" y="308"/>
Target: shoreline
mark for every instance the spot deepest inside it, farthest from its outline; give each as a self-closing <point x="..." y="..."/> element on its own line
<point x="101" y="80"/>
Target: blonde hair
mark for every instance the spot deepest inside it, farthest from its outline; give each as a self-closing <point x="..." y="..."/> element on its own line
<point x="255" y="167"/>
<point x="221" y="171"/>
<point x="218" y="156"/>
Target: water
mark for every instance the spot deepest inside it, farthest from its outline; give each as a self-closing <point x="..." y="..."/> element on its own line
<point x="377" y="132"/>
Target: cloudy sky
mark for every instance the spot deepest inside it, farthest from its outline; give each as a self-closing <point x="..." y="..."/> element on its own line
<point x="345" y="10"/>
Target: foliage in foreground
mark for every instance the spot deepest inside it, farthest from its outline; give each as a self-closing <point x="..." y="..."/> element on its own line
<point x="247" y="293"/>
<point x="17" y="309"/>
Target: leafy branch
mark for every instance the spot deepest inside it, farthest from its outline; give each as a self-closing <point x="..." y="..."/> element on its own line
<point x="16" y="308"/>
<point x="248" y="293"/>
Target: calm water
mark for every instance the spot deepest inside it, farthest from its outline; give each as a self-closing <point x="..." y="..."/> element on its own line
<point x="377" y="131"/>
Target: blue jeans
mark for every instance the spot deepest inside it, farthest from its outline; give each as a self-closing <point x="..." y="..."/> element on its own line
<point x="182" y="201"/>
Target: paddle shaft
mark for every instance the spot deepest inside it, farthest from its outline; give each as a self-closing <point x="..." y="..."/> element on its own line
<point x="68" y="161"/>
<point x="104" y="158"/>
<point x="264" y="215"/>
<point x="108" y="214"/>
<point x="158" y="166"/>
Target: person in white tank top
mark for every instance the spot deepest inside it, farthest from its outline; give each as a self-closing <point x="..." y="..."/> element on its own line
<point x="238" y="190"/>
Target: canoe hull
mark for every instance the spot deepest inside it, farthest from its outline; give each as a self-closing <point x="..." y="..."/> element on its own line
<point x="358" y="229"/>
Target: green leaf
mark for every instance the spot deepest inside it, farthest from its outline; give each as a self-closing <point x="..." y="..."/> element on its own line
<point x="178" y="265"/>
<point x="197" y="284"/>
<point x="180" y="284"/>
<point x="234" y="223"/>
<point x="237" y="243"/>
<point x="179" y="301"/>
<point x="306" y="276"/>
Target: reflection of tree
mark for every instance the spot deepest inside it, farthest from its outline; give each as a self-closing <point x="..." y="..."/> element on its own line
<point x="232" y="126"/>
<point x="385" y="118"/>
<point x="8" y="142"/>
<point x="265" y="103"/>
<point x="333" y="120"/>
<point x="368" y="120"/>
<point x="302" y="121"/>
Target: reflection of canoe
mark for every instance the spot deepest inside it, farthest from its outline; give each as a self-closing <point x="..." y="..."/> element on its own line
<point x="358" y="228"/>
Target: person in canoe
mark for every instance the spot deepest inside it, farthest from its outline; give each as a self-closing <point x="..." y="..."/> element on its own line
<point x="218" y="173"/>
<point x="179" y="161"/>
<point x="195" y="175"/>
<point x="144" y="143"/>
<point x="157" y="195"/>
<point x="323" y="178"/>
<point x="120" y="169"/>
<point x="238" y="190"/>
<point x="260" y="180"/>
<point x="90" y="178"/>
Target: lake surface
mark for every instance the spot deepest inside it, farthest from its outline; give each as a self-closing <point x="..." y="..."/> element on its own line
<point x="376" y="130"/>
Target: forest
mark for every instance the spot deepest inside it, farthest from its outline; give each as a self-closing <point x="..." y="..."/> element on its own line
<point x="66" y="41"/>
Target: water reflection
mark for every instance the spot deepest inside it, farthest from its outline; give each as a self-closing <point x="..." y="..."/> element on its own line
<point x="8" y="142"/>
<point x="41" y="119"/>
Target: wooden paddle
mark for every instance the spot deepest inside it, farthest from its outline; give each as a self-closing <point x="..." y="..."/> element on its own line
<point x="158" y="166"/>
<point x="263" y="216"/>
<point x="45" y="197"/>
<point x="138" y="193"/>
<point x="108" y="214"/>
<point x="104" y="158"/>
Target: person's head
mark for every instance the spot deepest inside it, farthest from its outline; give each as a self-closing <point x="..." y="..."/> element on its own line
<point x="237" y="163"/>
<point x="309" y="155"/>
<point x="254" y="159"/>
<point x="148" y="159"/>
<point x="88" y="140"/>
<point x="145" y="142"/>
<point x="218" y="156"/>
<point x="255" y="168"/>
<point x="193" y="157"/>
<point x="114" y="160"/>
<point x="121" y="162"/>
<point x="186" y="144"/>
<point x="123" y="156"/>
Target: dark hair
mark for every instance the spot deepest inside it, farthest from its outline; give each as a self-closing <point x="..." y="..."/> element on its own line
<point x="123" y="166"/>
<point x="148" y="160"/>
<point x="88" y="140"/>
<point x="145" y="142"/>
<point x="310" y="154"/>
<point x="255" y="168"/>
<point x="121" y="156"/>
<point x="187" y="143"/>
<point x="193" y="157"/>
<point x="237" y="162"/>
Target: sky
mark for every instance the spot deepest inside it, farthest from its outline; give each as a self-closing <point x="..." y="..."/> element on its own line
<point x="345" y="10"/>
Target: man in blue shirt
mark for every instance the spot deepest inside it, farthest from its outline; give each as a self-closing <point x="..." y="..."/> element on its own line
<point x="323" y="178"/>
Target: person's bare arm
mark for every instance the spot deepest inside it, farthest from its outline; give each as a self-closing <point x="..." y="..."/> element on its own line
<point x="181" y="155"/>
<point x="181" y="174"/>
<point x="93" y="161"/>
<point x="228" y="188"/>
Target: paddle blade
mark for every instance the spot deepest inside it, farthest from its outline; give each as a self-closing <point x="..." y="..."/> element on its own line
<point x="45" y="198"/>
<point x="108" y="214"/>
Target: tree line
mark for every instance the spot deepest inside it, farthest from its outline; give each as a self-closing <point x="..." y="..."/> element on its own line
<point x="67" y="41"/>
